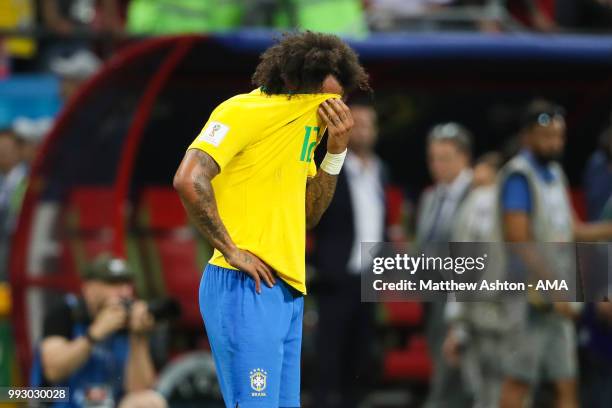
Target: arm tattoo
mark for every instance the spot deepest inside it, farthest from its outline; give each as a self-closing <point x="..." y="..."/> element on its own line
<point x="201" y="205"/>
<point x="319" y="193"/>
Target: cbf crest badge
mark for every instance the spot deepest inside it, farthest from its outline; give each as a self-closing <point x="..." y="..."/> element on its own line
<point x="258" y="382"/>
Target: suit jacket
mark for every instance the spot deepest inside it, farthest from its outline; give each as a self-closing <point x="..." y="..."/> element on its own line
<point x="334" y="235"/>
<point x="429" y="213"/>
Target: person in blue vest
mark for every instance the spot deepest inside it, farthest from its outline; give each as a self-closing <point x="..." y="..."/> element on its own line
<point x="535" y="207"/>
<point x="97" y="344"/>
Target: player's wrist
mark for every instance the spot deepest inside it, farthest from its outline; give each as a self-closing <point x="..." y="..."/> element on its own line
<point x="336" y="149"/>
<point x="332" y="162"/>
<point x="230" y="253"/>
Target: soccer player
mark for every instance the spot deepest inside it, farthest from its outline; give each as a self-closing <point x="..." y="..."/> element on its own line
<point x="250" y="184"/>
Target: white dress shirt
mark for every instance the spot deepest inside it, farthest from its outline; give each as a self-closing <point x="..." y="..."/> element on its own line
<point x="368" y="203"/>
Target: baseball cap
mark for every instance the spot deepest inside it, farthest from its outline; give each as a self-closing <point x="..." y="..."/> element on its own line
<point x="107" y="268"/>
<point x="80" y="65"/>
<point x="31" y="130"/>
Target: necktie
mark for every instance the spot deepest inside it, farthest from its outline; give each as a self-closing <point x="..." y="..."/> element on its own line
<point x="431" y="235"/>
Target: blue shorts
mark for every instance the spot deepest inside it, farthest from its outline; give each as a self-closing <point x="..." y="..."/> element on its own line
<point x="255" y="339"/>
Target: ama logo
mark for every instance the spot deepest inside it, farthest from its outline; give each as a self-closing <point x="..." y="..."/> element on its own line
<point x="307" y="145"/>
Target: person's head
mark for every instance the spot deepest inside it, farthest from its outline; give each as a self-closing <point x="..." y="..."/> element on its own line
<point x="486" y="168"/>
<point x="107" y="279"/>
<point x="28" y="150"/>
<point x="449" y="147"/>
<point x="364" y="133"/>
<point x="73" y="70"/>
<point x="543" y="130"/>
<point x="310" y="62"/>
<point x="29" y="133"/>
<point x="9" y="150"/>
<point x="605" y="143"/>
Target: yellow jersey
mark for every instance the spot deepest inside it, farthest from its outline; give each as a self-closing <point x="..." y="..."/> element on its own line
<point x="264" y="146"/>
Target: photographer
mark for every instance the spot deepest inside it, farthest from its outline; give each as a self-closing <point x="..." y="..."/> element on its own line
<point x="98" y="344"/>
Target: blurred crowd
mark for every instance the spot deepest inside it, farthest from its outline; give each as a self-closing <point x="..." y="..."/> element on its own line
<point x="36" y="31"/>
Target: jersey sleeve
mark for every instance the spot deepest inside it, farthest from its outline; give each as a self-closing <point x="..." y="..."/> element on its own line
<point x="224" y="135"/>
<point x="515" y="194"/>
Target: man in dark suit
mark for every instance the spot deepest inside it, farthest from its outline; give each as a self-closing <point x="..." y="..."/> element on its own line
<point x="357" y="213"/>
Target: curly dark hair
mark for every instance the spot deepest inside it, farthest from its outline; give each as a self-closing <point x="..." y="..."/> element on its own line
<point x="300" y="62"/>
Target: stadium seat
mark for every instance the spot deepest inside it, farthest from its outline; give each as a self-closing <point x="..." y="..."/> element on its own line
<point x="395" y="200"/>
<point x="578" y="200"/>
<point x="403" y="314"/>
<point x="87" y="232"/>
<point x="411" y="363"/>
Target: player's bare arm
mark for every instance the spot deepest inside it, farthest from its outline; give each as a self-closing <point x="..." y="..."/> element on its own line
<point x="319" y="192"/>
<point x="193" y="183"/>
<point x="320" y="189"/>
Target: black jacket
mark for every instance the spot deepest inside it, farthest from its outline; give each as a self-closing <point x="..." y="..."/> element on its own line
<point x="333" y="236"/>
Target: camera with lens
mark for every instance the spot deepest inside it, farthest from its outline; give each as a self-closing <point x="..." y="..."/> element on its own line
<point x="161" y="309"/>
